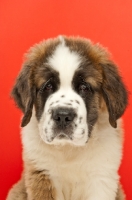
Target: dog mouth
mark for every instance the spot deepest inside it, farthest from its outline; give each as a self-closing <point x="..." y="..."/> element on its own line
<point x="62" y="136"/>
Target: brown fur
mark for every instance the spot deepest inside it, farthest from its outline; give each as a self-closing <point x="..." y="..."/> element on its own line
<point x="106" y="82"/>
<point x="96" y="64"/>
<point x="19" y="192"/>
<point x="39" y="186"/>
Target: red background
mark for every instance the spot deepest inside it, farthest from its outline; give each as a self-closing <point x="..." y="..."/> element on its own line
<point x="23" y="23"/>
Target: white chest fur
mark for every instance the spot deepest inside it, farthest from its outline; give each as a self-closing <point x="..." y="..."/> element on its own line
<point x="78" y="173"/>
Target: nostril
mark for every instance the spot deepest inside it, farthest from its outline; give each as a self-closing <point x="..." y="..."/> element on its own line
<point x="67" y="119"/>
<point x="57" y="118"/>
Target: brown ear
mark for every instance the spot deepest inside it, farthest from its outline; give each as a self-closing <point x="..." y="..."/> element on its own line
<point x="23" y="94"/>
<point x="114" y="93"/>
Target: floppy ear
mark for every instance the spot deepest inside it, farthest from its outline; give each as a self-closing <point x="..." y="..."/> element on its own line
<point x="114" y="93"/>
<point x="23" y="94"/>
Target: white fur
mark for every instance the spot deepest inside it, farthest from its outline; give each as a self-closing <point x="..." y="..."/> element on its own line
<point x="64" y="62"/>
<point x="79" y="173"/>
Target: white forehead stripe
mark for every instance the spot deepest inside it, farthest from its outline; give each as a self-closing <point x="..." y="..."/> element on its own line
<point x="65" y="62"/>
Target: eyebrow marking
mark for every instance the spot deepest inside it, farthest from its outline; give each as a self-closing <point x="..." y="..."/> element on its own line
<point x="91" y="81"/>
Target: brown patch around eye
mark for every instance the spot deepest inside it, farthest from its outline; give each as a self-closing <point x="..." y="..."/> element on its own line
<point x="40" y="81"/>
<point x="92" y="81"/>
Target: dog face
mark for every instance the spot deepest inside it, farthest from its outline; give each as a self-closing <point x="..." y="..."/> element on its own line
<point x="66" y="80"/>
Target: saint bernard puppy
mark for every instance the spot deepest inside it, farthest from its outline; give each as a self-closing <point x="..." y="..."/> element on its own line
<point x="72" y="98"/>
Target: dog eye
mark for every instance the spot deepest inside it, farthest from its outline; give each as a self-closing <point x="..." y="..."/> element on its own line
<point x="49" y="86"/>
<point x="85" y="89"/>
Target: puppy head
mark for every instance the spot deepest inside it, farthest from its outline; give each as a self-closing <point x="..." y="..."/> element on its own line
<point x="65" y="80"/>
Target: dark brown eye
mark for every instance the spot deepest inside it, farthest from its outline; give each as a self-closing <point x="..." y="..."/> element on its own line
<point x="83" y="88"/>
<point x="49" y="86"/>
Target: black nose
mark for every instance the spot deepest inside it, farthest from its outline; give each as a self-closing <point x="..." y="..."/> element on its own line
<point x="63" y="117"/>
